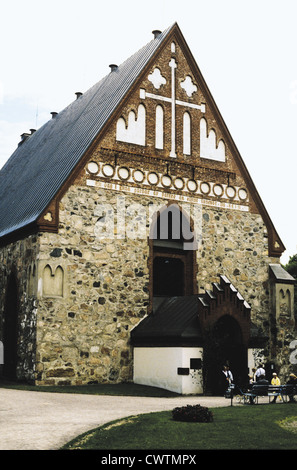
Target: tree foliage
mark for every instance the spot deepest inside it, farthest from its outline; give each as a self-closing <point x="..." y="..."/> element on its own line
<point x="291" y="268"/>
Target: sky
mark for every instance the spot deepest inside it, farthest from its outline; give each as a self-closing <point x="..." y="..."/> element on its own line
<point x="246" y="51"/>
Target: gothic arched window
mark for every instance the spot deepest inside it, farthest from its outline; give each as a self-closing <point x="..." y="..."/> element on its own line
<point x="173" y="255"/>
<point x="187" y="134"/>
<point x="159" y="139"/>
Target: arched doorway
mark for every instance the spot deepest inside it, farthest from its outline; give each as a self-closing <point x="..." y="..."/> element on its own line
<point x="224" y="346"/>
<point x="10" y="329"/>
<point x="173" y="256"/>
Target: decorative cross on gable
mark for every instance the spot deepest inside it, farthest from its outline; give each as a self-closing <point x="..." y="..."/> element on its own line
<point x="189" y="90"/>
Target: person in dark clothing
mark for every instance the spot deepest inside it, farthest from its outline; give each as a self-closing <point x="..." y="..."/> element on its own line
<point x="292" y="381"/>
<point x="260" y="381"/>
<point x="226" y="379"/>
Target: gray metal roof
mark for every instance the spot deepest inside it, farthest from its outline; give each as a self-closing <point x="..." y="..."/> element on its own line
<point x="280" y="274"/>
<point x="174" y="323"/>
<point x="43" y="162"/>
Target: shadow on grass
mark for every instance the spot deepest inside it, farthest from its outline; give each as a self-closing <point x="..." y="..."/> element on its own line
<point x="122" y="389"/>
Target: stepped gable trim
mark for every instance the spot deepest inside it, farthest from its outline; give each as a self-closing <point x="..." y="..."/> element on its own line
<point x="221" y="292"/>
<point x="223" y="300"/>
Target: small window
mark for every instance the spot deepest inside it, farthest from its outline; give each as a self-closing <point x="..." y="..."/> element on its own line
<point x="195" y="363"/>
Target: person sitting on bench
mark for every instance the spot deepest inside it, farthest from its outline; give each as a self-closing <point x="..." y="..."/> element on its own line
<point x="292" y="381"/>
<point x="260" y="381"/>
<point x="276" y="382"/>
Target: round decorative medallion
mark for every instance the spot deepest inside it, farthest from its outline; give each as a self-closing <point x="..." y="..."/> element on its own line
<point x="205" y="188"/>
<point x="242" y="193"/>
<point x="179" y="183"/>
<point x="166" y="181"/>
<point x="123" y="173"/>
<point x="218" y="190"/>
<point x="230" y="191"/>
<point x="108" y="170"/>
<point x="93" y="168"/>
<point x="153" y="178"/>
<point x="192" y="185"/>
<point x="138" y="176"/>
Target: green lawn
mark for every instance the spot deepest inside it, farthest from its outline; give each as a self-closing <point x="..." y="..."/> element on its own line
<point x="263" y="427"/>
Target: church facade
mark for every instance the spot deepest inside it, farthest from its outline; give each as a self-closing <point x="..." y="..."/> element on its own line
<point x="134" y="244"/>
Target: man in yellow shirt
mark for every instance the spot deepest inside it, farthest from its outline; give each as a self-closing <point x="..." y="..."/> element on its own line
<point x="275" y="381"/>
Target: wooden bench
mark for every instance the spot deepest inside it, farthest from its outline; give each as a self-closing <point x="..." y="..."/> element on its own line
<point x="252" y="396"/>
<point x="283" y="391"/>
<point x="275" y="391"/>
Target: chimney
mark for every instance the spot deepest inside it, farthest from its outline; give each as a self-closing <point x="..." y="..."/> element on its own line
<point x="156" y="33"/>
<point x="24" y="137"/>
<point x="78" y="94"/>
<point x="113" y="67"/>
<point x="54" y="114"/>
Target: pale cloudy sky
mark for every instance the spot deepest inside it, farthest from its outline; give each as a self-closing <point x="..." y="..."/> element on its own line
<point x="246" y="51"/>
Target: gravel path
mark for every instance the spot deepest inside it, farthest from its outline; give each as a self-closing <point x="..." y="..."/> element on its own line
<point x="47" y="421"/>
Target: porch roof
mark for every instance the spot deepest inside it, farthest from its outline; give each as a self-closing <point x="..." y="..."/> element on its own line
<point x="174" y="323"/>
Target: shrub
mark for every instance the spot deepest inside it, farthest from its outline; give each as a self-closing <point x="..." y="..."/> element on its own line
<point x="193" y="413"/>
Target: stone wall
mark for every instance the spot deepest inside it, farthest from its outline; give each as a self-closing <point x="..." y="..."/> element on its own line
<point x="87" y="293"/>
<point x="19" y="259"/>
<point x="235" y="244"/>
<point x="83" y="333"/>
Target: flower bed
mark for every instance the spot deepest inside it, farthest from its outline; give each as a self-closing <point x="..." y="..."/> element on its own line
<point x="193" y="413"/>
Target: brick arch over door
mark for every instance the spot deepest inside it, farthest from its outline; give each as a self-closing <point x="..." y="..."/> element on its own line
<point x="224" y="345"/>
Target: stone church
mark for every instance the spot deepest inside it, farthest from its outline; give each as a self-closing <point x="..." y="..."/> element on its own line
<point x="134" y="245"/>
